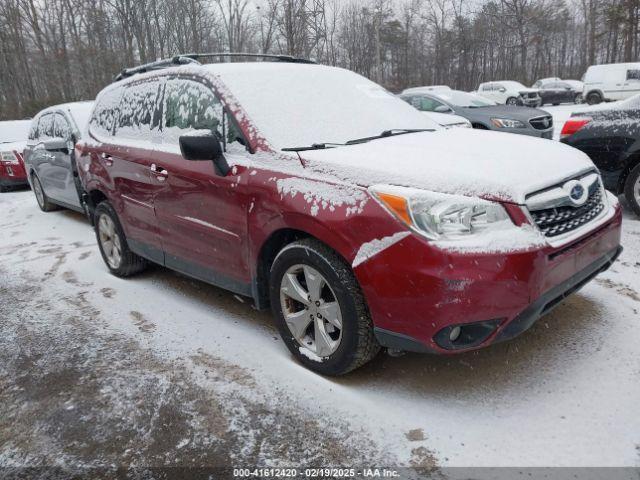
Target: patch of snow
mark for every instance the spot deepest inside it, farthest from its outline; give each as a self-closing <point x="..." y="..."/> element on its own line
<point x="323" y="195"/>
<point x="14" y="131"/>
<point x="370" y="249"/>
<point x="310" y="355"/>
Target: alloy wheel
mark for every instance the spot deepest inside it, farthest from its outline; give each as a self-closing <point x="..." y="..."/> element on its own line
<point x="311" y="310"/>
<point x="110" y="241"/>
<point x="636" y="190"/>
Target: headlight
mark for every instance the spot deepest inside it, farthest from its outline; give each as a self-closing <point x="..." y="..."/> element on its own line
<point x="440" y="216"/>
<point x="507" y="123"/>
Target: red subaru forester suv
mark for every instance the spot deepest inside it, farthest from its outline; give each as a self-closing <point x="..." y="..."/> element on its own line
<point x="359" y="222"/>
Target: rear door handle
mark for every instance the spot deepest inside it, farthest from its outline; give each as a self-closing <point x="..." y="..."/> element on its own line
<point x="108" y="160"/>
<point x="160" y="172"/>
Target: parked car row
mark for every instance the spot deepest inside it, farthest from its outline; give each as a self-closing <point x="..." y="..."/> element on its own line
<point x="357" y="219"/>
<point x="481" y="113"/>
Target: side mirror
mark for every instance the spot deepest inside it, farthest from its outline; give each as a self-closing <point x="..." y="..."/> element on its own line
<point x="56" y="145"/>
<point x="502" y="89"/>
<point x="199" y="146"/>
<point x="443" y="109"/>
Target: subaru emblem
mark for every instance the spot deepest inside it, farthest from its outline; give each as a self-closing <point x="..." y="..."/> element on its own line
<point x="576" y="193"/>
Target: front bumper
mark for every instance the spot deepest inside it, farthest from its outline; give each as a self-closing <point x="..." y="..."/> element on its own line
<point x="416" y="292"/>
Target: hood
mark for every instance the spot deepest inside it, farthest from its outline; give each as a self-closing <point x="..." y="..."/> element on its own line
<point x="463" y="161"/>
<point x="528" y="90"/>
<point x="445" y="119"/>
<point x="503" y="111"/>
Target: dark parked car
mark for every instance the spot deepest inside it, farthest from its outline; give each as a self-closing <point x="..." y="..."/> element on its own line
<point x="483" y="113"/>
<point x="395" y="232"/>
<point x="611" y="137"/>
<point x="559" y="92"/>
<point x="49" y="155"/>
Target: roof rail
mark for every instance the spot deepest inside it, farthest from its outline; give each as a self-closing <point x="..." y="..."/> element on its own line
<point x="279" y="58"/>
<point x="192" y="58"/>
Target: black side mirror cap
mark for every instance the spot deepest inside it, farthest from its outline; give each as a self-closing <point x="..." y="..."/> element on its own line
<point x="204" y="146"/>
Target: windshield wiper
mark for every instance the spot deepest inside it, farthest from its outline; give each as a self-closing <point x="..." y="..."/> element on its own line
<point x="390" y="133"/>
<point x="314" y="146"/>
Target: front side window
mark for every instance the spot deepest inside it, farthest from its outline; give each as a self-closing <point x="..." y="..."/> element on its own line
<point x="189" y="106"/>
<point x="105" y="112"/>
<point x="139" y="111"/>
<point x="633" y="74"/>
<point x="428" y="104"/>
<point x="61" y="127"/>
<point x="45" y="127"/>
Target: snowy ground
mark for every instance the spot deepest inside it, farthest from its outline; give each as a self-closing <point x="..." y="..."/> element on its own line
<point x="164" y="370"/>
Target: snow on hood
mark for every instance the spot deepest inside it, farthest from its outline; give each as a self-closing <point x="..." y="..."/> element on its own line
<point x="468" y="162"/>
<point x="14" y="130"/>
<point x="13" y="147"/>
<point x="446" y="119"/>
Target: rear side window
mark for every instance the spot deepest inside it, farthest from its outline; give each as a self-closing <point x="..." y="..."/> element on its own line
<point x="139" y="111"/>
<point x="633" y="74"/>
<point x="189" y="106"/>
<point x="105" y="111"/>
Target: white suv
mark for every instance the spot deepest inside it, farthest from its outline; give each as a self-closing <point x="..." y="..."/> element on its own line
<point x="510" y="93"/>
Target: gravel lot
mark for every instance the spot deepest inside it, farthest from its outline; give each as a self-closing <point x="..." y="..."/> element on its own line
<point x="161" y="370"/>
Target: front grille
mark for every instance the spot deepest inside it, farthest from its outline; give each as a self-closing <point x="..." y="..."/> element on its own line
<point x="556" y="221"/>
<point x="542" y="123"/>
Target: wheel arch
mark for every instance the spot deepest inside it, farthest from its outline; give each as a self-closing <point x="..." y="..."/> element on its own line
<point x="275" y="242"/>
<point x="632" y="161"/>
<point x="91" y="199"/>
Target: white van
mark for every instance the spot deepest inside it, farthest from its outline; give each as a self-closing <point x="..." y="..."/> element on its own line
<point x="614" y="81"/>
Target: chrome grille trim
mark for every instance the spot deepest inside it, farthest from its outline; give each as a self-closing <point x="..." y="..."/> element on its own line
<point x="558" y="216"/>
<point x="538" y="122"/>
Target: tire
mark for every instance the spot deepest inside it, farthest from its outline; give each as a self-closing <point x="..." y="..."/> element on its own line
<point x="594" y="98"/>
<point x="512" y="101"/>
<point x="578" y="98"/>
<point x="3" y="189"/>
<point x="120" y="260"/>
<point x="41" y="197"/>
<point x="632" y="189"/>
<point x="354" y="343"/>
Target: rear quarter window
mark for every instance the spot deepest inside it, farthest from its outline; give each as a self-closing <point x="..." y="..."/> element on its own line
<point x="633" y="74"/>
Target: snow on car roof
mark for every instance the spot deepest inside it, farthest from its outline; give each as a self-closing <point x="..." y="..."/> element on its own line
<point x="14" y="130"/>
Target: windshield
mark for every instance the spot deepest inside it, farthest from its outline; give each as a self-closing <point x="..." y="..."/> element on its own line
<point x="14" y="131"/>
<point x="464" y="99"/>
<point x="296" y="105"/>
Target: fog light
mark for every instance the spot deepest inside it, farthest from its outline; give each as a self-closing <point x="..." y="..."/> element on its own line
<point x="455" y="334"/>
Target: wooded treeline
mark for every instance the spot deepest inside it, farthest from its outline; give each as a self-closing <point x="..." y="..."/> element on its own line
<point x="53" y="51"/>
